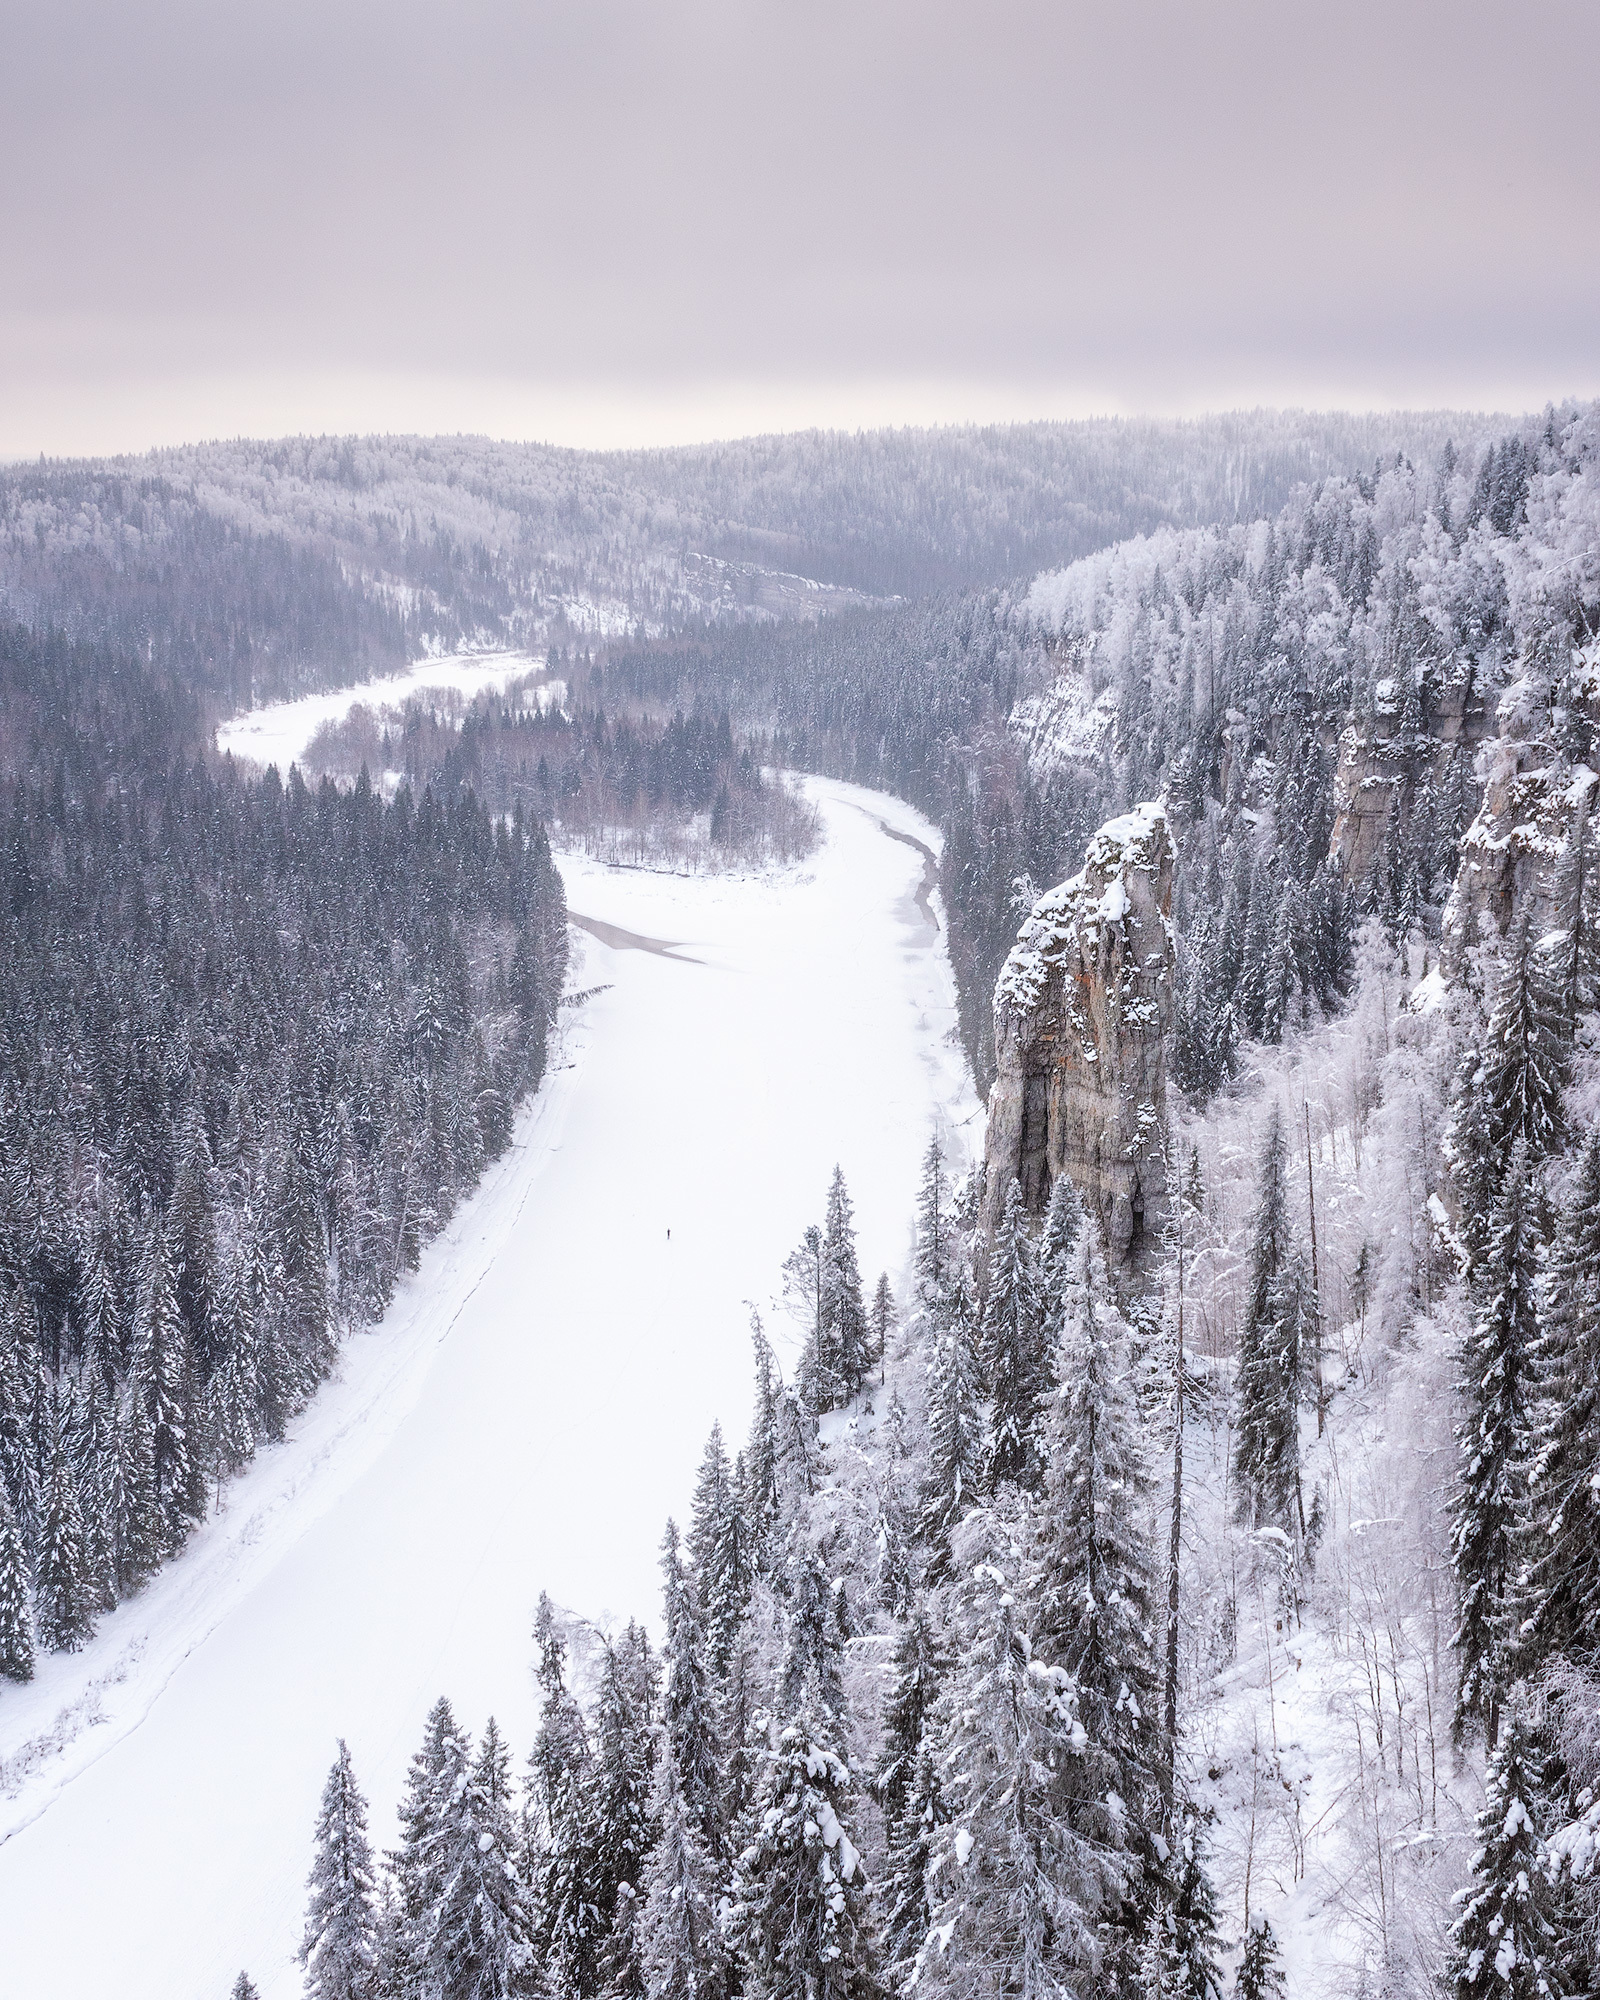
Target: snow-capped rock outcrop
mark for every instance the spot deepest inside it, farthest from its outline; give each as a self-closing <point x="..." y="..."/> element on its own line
<point x="1082" y="1010"/>
<point x="1535" y="798"/>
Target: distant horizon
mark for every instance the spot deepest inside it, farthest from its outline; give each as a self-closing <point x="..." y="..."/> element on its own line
<point x="1497" y="410"/>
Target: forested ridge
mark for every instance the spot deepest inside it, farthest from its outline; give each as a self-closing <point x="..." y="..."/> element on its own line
<point x="259" y="1040"/>
<point x="262" y="569"/>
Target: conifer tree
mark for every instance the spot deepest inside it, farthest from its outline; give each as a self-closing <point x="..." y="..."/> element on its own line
<point x="435" y="1778"/>
<point x="1523" y="1068"/>
<point x="844" y="1312"/>
<point x="1030" y="1865"/>
<point x="164" y="1379"/>
<point x="955" y="1433"/>
<point x="800" y="1921"/>
<point x="1189" y="1938"/>
<point x="1503" y="1945"/>
<point x="338" y="1949"/>
<point x="883" y="1319"/>
<point x="760" y="1491"/>
<point x="804" y="1278"/>
<point x="1092" y="1567"/>
<point x="1015" y="1357"/>
<point x="933" y="1252"/>
<point x="916" y="1669"/>
<point x="138" y="1536"/>
<point x="94" y="1465"/>
<point x="16" y="1623"/>
<point x="1561" y="1600"/>
<point x="232" y="1394"/>
<point x="682" y="1954"/>
<point x="244" y="1988"/>
<point x="719" y="1553"/>
<point x="474" y="1944"/>
<point x="1267" y="1447"/>
<point x="688" y="1712"/>
<point x="560" y="1860"/>
<point x="62" y="1588"/>
<point x="1497" y="1383"/>
<point x="906" y="1783"/>
<point x="625" y="1827"/>
<point x="1260" y="1969"/>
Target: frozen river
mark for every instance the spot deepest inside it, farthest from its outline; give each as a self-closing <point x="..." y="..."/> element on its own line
<point x="531" y="1410"/>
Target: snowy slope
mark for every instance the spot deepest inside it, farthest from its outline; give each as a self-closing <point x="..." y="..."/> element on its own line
<point x="529" y="1413"/>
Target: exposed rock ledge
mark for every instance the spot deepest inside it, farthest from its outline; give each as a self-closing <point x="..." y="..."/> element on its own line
<point x="1082" y="1010"/>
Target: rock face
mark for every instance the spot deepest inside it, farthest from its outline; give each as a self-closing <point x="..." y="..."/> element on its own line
<point x="1377" y="757"/>
<point x="1082" y="1010"/>
<point x="1535" y="801"/>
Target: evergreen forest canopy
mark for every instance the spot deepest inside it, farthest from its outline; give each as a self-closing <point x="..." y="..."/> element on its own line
<point x="258" y="1041"/>
<point x="256" y="570"/>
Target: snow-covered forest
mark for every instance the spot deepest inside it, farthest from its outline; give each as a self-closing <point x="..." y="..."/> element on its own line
<point x="1202" y="1606"/>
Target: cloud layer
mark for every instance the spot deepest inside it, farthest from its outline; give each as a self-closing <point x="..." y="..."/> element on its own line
<point x="570" y="210"/>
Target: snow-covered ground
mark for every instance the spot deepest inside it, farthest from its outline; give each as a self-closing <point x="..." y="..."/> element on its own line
<point x="531" y="1410"/>
<point x="279" y="733"/>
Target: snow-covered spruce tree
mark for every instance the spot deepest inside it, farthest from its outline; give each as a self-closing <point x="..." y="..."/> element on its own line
<point x="906" y="1782"/>
<point x="1267" y="1426"/>
<point x="1189" y="1938"/>
<point x="63" y="1596"/>
<point x="913" y="1842"/>
<point x="759" y="1496"/>
<point x="682" y="1953"/>
<point x="1091" y="1579"/>
<point x="18" y="1369"/>
<point x="1063" y="1220"/>
<point x="800" y="1924"/>
<point x="164" y="1381"/>
<point x="817" y="1376"/>
<point x="933" y="1258"/>
<point x="955" y="1432"/>
<point x="1524" y="1064"/>
<point x="844" y="1312"/>
<point x="1015" y="1357"/>
<point x="560" y="1862"/>
<point x="1560" y="1598"/>
<point x="1031" y="1865"/>
<point x="719" y="1553"/>
<point x="625" y="1826"/>
<point x="232" y="1394"/>
<point x="137" y="1533"/>
<point x="1260" y="1975"/>
<point x="916" y="1668"/>
<point x="475" y="1945"/>
<point x="16" y="1622"/>
<point x="338" y="1948"/>
<point x="1577" y="897"/>
<point x="688" y="1708"/>
<point x="244" y="1988"/>
<point x="94" y="1466"/>
<point x="436" y="1775"/>
<point x="1497" y="1361"/>
<point x="1503" y="1944"/>
<point x="882" y="1319"/>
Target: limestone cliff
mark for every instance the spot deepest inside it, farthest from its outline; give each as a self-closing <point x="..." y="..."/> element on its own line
<point x="1082" y="1010"/>
<point x="1537" y="793"/>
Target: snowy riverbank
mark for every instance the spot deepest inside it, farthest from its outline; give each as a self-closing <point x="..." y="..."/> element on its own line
<point x="531" y="1410"/>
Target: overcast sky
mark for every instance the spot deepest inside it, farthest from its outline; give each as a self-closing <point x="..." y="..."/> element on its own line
<point x="614" y="221"/>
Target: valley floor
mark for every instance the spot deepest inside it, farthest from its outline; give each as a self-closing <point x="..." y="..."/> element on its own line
<point x="529" y="1413"/>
